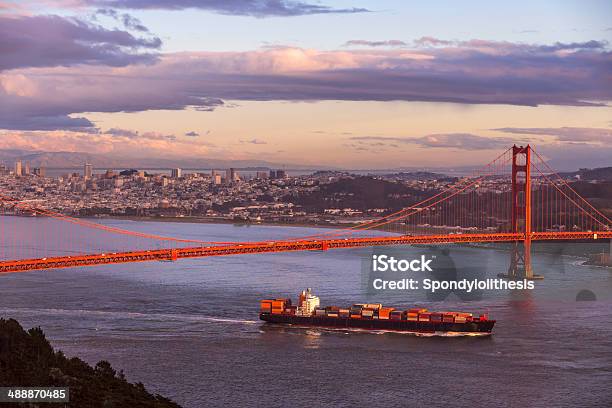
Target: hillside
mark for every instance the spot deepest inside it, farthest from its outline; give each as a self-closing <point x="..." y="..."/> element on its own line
<point x="27" y="359"/>
<point x="600" y="173"/>
<point x="361" y="193"/>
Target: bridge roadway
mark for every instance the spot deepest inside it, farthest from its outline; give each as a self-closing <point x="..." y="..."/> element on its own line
<point x="24" y="265"/>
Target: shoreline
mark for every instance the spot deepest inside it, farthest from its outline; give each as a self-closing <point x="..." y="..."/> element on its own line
<point x="210" y="220"/>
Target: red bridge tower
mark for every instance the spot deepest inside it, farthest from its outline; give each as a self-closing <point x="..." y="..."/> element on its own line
<point x="520" y="257"/>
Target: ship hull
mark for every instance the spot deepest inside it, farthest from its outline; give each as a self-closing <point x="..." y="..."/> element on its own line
<point x="480" y="327"/>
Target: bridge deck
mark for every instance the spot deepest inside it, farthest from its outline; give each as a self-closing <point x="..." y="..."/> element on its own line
<point x="25" y="265"/>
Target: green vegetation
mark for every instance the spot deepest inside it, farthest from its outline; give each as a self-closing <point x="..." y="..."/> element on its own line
<point x="361" y="193"/>
<point x="27" y="359"/>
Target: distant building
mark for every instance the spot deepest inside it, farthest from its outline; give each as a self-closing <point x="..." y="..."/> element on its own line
<point x="175" y="173"/>
<point x="39" y="171"/>
<point x="215" y="177"/>
<point x="262" y="175"/>
<point x="18" y="168"/>
<point x="88" y="171"/>
<point x="26" y="169"/>
<point x="278" y="174"/>
<point x="231" y="176"/>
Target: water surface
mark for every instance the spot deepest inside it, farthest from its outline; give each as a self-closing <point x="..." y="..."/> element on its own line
<point x="189" y="329"/>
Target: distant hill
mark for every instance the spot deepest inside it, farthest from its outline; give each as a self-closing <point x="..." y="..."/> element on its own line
<point x="77" y="159"/>
<point x="599" y="173"/>
<point x="360" y="193"/>
<point x="420" y="175"/>
<point x="27" y="359"/>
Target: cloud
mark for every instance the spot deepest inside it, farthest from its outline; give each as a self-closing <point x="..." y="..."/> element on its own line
<point x="568" y="148"/>
<point x="133" y="134"/>
<point x="431" y="42"/>
<point x="129" y="22"/>
<point x="192" y="134"/>
<point x="566" y="156"/>
<point x="365" y="43"/>
<point x="48" y="41"/>
<point x="255" y="8"/>
<point x="566" y="134"/>
<point x="122" y="142"/>
<point x="506" y="47"/>
<point x="254" y="141"/>
<point x="462" y="141"/>
<point x="130" y="134"/>
<point x="477" y="72"/>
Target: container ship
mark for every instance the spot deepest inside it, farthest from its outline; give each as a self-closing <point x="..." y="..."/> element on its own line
<point x="371" y="316"/>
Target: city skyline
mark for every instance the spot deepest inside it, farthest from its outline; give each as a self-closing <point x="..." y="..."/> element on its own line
<point x="252" y="80"/>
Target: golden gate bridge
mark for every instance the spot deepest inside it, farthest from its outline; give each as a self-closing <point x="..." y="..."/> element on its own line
<point x="516" y="198"/>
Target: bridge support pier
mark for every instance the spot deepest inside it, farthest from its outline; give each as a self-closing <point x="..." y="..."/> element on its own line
<point x="520" y="257"/>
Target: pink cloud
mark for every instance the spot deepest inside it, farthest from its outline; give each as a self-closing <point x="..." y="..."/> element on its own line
<point x="114" y="141"/>
<point x="474" y="72"/>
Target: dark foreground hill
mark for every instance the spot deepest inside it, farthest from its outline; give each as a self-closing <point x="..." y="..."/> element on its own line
<point x="27" y="359"/>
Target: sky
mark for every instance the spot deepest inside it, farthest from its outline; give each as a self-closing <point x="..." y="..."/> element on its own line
<point x="346" y="83"/>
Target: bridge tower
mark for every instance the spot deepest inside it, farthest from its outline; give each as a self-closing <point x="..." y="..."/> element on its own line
<point x="520" y="257"/>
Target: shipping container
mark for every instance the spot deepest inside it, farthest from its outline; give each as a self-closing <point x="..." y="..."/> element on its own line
<point x="373" y="305"/>
<point x="367" y="312"/>
<point x="435" y="317"/>
<point x="413" y="317"/>
<point x="424" y="317"/>
<point x="397" y="315"/>
<point x="319" y="311"/>
<point x="448" y="318"/>
<point x="417" y="310"/>
<point x="384" y="312"/>
<point x="266" y="306"/>
<point x="291" y="310"/>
